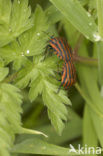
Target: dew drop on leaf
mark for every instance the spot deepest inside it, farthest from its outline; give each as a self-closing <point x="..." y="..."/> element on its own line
<point x="28" y="51"/>
<point x="96" y="37"/>
<point x="38" y="34"/>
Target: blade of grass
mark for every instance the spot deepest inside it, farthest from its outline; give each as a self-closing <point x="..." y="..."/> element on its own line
<point x="89" y="134"/>
<point x="100" y="16"/>
<point x="88" y="78"/>
<point x="79" y="17"/>
<point x="38" y="146"/>
<point x="99" y="47"/>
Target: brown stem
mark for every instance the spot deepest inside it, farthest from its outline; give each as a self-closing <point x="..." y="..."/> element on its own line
<point x="80" y="59"/>
<point x="85" y="60"/>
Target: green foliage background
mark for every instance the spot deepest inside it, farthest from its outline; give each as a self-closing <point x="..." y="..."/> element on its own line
<point x="26" y="77"/>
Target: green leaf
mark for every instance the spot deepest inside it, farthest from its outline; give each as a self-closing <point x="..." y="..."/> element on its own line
<point x="3" y="73"/>
<point x="25" y="75"/>
<point x="100" y="16"/>
<point x="16" y="18"/>
<point x="90" y="86"/>
<point x="56" y="109"/>
<point x="88" y="77"/>
<point x="99" y="46"/>
<point x="5" y="11"/>
<point x="98" y="124"/>
<point x="1" y="62"/>
<point x="53" y="15"/>
<point x="36" y="87"/>
<point x="79" y="17"/>
<point x="10" y="120"/>
<point x="90" y="90"/>
<point x="12" y="108"/>
<point x="89" y="133"/>
<point x="6" y="136"/>
<point x="20" y="18"/>
<point x="38" y="68"/>
<point x="10" y="52"/>
<point x="69" y="133"/>
<point x="34" y="41"/>
<point x="37" y="146"/>
<point x="41" y="83"/>
<point x="13" y="53"/>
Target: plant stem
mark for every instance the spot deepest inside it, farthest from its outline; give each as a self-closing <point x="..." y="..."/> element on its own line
<point x="81" y="59"/>
<point x="100" y="16"/>
<point x="85" y="60"/>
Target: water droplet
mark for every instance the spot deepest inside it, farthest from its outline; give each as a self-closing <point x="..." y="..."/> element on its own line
<point x="96" y="37"/>
<point x="28" y="51"/>
<point x="18" y="2"/>
<point x="88" y="14"/>
<point x="38" y="34"/>
<point x="22" y="54"/>
<point x="90" y="23"/>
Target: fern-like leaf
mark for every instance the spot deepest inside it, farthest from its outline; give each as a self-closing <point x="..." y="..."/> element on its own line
<point x="10" y="109"/>
<point x="3" y="73"/>
<point x="35" y="40"/>
<point x="13" y="53"/>
<point x="15" y="19"/>
<point x="32" y="42"/>
<point x="37" y="73"/>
